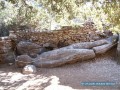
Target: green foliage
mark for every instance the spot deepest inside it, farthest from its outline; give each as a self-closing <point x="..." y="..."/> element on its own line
<point x="41" y="13"/>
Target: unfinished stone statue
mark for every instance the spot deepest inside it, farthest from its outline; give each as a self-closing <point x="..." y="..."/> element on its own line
<point x="75" y="52"/>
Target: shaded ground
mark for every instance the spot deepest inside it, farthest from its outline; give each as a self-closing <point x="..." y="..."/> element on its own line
<point x="102" y="69"/>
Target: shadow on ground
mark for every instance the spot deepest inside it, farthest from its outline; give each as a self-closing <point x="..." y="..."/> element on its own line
<point x="68" y="77"/>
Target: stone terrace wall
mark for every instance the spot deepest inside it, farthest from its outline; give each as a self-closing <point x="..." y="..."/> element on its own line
<point x="6" y="50"/>
<point x="62" y="37"/>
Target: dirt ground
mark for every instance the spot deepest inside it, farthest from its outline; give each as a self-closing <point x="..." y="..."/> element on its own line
<point x="104" y="68"/>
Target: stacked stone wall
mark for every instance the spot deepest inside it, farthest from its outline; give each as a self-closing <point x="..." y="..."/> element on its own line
<point x="6" y="50"/>
<point x="61" y="37"/>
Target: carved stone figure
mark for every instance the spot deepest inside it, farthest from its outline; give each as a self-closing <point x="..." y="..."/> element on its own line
<point x="73" y="53"/>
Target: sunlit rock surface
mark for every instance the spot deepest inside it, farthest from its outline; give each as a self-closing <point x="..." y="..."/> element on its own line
<point x="29" y="69"/>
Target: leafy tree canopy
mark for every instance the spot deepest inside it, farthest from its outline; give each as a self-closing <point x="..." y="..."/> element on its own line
<point x="37" y="12"/>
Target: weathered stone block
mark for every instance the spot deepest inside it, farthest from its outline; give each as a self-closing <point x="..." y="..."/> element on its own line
<point x="29" y="48"/>
<point x="23" y="60"/>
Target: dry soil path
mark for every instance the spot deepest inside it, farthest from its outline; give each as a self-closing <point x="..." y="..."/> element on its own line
<point x="69" y="77"/>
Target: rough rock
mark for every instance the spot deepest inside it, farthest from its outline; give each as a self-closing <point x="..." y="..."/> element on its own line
<point x="108" y="33"/>
<point x="29" y="69"/>
<point x="50" y="46"/>
<point x="28" y="48"/>
<point x="101" y="34"/>
<point x="93" y="36"/>
<point x="7" y="58"/>
<point x="23" y="60"/>
<point x="5" y="43"/>
<point x="42" y="50"/>
<point x="6" y="50"/>
<point x="32" y="55"/>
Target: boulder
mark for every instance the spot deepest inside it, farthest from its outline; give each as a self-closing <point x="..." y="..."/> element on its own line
<point x="29" y="69"/>
<point x="28" y="48"/>
<point x="23" y="60"/>
<point x="63" y="56"/>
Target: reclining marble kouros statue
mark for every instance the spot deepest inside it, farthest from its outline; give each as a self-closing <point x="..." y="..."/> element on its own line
<point x="70" y="54"/>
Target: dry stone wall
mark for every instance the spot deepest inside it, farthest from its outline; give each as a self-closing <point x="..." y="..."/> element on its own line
<point x="6" y="50"/>
<point x="61" y="37"/>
